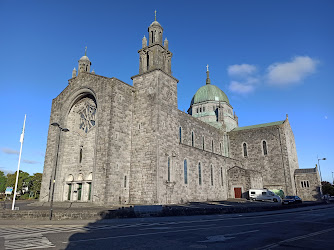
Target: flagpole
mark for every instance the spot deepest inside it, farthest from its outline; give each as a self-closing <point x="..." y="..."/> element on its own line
<point x="18" y="166"/>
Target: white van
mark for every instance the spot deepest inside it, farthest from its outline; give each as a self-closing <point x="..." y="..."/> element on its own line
<point x="263" y="195"/>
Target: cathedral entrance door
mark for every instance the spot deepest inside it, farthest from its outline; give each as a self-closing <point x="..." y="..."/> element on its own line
<point x="237" y="192"/>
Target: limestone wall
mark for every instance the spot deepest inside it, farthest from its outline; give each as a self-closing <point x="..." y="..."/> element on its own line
<point x="209" y="188"/>
<point x="274" y="166"/>
<point x="105" y="142"/>
<point x="155" y="102"/>
<point x="290" y="154"/>
<point x="308" y="186"/>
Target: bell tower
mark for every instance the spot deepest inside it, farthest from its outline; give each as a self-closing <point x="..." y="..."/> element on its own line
<point x="84" y="63"/>
<point x="155" y="55"/>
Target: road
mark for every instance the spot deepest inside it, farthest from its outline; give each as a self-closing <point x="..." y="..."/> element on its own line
<point x="311" y="228"/>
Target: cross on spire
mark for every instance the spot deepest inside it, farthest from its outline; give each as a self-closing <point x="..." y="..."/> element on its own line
<point x="207" y="75"/>
<point x="155" y="15"/>
<point x="86" y="51"/>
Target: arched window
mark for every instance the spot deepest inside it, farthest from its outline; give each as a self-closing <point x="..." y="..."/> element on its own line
<point x="199" y="174"/>
<point x="168" y="169"/>
<point x="203" y="142"/>
<point x="245" y="149"/>
<point x="89" y="190"/>
<point x="220" y="148"/>
<point x="211" y="172"/>
<point x="148" y="61"/>
<point x="125" y="181"/>
<point x="80" y="155"/>
<point x="203" y="109"/>
<point x="192" y="139"/>
<point x="185" y="172"/>
<point x="221" y="175"/>
<point x="69" y="191"/>
<point x="212" y="146"/>
<point x="264" y="146"/>
<point x="180" y="134"/>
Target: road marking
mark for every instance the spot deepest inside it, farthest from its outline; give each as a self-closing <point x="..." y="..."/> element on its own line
<point x="296" y="238"/>
<point x="165" y="228"/>
<point x="225" y="237"/>
<point x="317" y="222"/>
<point x="173" y="231"/>
<point x="136" y="235"/>
<point x="253" y="231"/>
<point x="29" y="242"/>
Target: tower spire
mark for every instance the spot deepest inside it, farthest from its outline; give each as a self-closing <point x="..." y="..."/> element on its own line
<point x="155" y="15"/>
<point x="84" y="63"/>
<point x="207" y="75"/>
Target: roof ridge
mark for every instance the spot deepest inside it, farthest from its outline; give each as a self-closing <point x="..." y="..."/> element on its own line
<point x="259" y="125"/>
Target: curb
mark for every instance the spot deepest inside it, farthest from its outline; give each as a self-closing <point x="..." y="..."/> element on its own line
<point x="163" y="211"/>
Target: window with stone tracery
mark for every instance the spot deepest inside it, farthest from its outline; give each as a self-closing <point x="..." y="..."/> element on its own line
<point x="83" y="115"/>
<point x="87" y="117"/>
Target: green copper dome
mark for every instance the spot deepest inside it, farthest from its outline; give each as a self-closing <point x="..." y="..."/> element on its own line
<point x="209" y="92"/>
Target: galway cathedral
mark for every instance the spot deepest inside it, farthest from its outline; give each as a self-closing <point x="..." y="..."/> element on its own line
<point x="118" y="144"/>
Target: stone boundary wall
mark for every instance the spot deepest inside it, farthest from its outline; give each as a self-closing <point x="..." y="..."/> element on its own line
<point x="128" y="212"/>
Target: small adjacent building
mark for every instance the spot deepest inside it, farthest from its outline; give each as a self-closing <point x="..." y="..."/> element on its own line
<point x="308" y="184"/>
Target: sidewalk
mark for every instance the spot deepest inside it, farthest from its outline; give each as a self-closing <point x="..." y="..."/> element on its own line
<point x="83" y="222"/>
<point x="87" y="211"/>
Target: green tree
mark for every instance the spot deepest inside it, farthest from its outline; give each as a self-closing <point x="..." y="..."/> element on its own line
<point x="35" y="182"/>
<point x="327" y="188"/>
<point x="3" y="181"/>
<point x="23" y="180"/>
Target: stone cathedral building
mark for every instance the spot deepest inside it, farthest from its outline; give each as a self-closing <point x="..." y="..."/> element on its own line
<point x="129" y="144"/>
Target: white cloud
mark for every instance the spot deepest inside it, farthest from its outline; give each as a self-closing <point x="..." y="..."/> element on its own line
<point x="6" y="171"/>
<point x="291" y="72"/>
<point x="241" y="88"/>
<point x="241" y="70"/>
<point x="10" y="151"/>
<point x="30" y="161"/>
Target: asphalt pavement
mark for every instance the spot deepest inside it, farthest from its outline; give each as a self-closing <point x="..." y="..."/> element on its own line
<point x="304" y="228"/>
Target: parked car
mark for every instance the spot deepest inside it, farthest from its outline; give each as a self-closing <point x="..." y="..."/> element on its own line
<point x="291" y="200"/>
<point x="263" y="195"/>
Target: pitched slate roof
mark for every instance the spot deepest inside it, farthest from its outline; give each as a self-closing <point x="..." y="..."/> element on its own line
<point x="259" y="125"/>
<point x="305" y="170"/>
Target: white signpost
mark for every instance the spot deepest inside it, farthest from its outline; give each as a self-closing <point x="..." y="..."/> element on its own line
<point x="18" y="166"/>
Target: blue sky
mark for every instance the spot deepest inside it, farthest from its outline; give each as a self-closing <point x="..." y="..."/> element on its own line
<point x="271" y="58"/>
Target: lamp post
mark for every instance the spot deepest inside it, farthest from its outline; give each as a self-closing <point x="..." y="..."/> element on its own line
<point x="53" y="177"/>
<point x="323" y="159"/>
